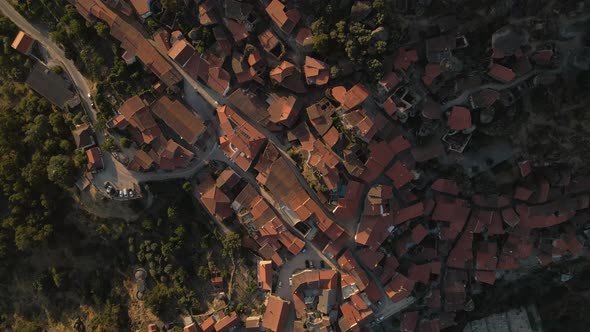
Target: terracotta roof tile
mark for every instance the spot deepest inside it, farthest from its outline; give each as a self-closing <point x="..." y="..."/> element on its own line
<point x="389" y="81"/>
<point x="501" y="73"/>
<point x="446" y="186"/>
<point x="459" y="118"/>
<point x="276" y="314"/>
<point x="23" y="43"/>
<point x="355" y="96"/>
<point x="409" y="321"/>
<point x="179" y="118"/>
<point x="400" y="174"/>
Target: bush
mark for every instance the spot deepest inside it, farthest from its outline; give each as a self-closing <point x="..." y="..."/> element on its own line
<point x="108" y="145"/>
<point x="57" y="69"/>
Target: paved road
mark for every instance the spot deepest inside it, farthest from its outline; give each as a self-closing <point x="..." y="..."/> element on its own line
<point x="42" y="36"/>
<point x="114" y="171"/>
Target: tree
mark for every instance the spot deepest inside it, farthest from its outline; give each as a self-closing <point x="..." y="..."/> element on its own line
<point x="231" y="243"/>
<point x="108" y="145"/>
<point x="112" y="317"/>
<point x="187" y="187"/>
<point x="375" y="67"/>
<point x="36" y="131"/>
<point x="171" y="212"/>
<point x="58" y="124"/>
<point x="159" y="299"/>
<point x="125" y="142"/>
<point x="80" y="158"/>
<point x="321" y="43"/>
<point x="102" y="29"/>
<point x="334" y="72"/>
<point x="60" y="170"/>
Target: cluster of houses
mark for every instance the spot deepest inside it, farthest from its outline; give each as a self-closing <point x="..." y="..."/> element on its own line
<point x="137" y="119"/>
<point x="417" y="235"/>
<point x="60" y="93"/>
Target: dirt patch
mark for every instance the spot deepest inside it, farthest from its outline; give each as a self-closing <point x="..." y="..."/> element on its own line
<point x="92" y="201"/>
<point x="139" y="316"/>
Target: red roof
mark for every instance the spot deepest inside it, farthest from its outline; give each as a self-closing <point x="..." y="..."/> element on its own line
<point x="409" y="321"/>
<point x="241" y="141"/>
<point x="370" y="258"/>
<point x="525" y="168"/>
<point x="486" y="257"/>
<point x="208" y="325"/>
<point x="410" y="212"/>
<point x="94" y="158"/>
<point x="276" y="314"/>
<point x="446" y="186"/>
<point x="501" y="73"/>
<point x="237" y="30"/>
<point x="355" y="96"/>
<point x="543" y="57"/>
<point x="390" y="107"/>
<point x="431" y="72"/>
<point x="404" y="59"/>
<point x="285" y="20"/>
<point x="227" y="322"/>
<point x="453" y="211"/>
<point x="23" y="43"/>
<point x="400" y="174"/>
<point x="420" y="273"/>
<point x="389" y="81"/>
<point x="372" y="231"/>
<point x="510" y="217"/>
<point x="418" y="234"/>
<point x="399" y="287"/>
<point x="265" y="275"/>
<point x="302" y="35"/>
<point x="141" y="6"/>
<point x="339" y="93"/>
<point x="459" y="118"/>
<point x="316" y="72"/>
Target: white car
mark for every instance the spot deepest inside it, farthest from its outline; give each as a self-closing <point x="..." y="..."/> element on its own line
<point x="290" y="281"/>
<point x="280" y="284"/>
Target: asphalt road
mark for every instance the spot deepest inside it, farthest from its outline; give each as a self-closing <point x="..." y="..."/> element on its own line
<point x="42" y="36"/>
<point x="117" y="173"/>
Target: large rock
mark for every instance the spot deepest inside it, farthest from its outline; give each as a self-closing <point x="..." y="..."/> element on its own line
<point x="380" y="33"/>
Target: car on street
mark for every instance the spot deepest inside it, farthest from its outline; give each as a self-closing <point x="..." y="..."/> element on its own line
<point x="290" y="281"/>
<point x="280" y="284"/>
<point x="311" y="264"/>
<point x="322" y="264"/>
<point x="307" y="264"/>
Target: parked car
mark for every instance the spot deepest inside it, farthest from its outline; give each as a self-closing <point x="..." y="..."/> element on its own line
<point x="131" y="193"/>
<point x="311" y="264"/>
<point x="280" y="284"/>
<point x="322" y="264"/>
<point x="290" y="281"/>
<point x="120" y="193"/>
<point x="307" y="264"/>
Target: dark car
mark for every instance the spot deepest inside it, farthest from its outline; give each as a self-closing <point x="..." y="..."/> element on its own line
<point x="322" y="264"/>
<point x="307" y="264"/>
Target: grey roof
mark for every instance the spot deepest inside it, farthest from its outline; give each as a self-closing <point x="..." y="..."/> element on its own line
<point x="50" y="85"/>
<point x="326" y="300"/>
